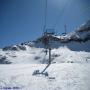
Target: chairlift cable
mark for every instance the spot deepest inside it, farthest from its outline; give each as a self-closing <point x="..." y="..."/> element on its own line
<point x="45" y="18"/>
<point x="60" y="14"/>
<point x="84" y="11"/>
<point x="63" y="10"/>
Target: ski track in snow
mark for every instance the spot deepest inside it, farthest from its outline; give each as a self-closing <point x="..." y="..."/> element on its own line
<point x="68" y="76"/>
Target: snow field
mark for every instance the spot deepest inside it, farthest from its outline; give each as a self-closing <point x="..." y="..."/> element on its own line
<point x="68" y="76"/>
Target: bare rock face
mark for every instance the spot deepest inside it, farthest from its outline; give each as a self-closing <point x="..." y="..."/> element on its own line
<point x="3" y="60"/>
<point x="13" y="48"/>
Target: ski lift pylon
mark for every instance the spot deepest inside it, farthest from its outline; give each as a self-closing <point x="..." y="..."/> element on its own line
<point x="46" y="40"/>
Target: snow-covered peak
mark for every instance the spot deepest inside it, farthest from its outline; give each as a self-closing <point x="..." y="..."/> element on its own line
<point x="84" y="27"/>
<point x="82" y="33"/>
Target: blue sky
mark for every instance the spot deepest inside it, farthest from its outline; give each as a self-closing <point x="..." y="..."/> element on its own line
<point x="23" y="20"/>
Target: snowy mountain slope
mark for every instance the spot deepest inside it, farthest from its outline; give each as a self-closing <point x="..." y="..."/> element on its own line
<point x="67" y="77"/>
<point x="72" y="47"/>
<point x="34" y="55"/>
<point x="82" y="33"/>
<point x="78" y="40"/>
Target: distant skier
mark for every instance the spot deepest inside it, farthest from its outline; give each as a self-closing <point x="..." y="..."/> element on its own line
<point x="46" y="51"/>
